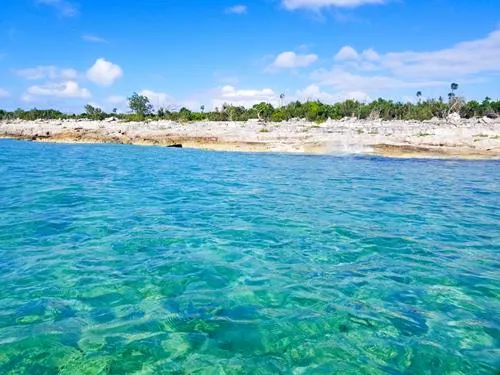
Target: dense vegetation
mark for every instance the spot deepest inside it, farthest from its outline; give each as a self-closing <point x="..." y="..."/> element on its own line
<point x="142" y="109"/>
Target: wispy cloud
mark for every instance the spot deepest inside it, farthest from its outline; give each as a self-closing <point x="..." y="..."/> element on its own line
<point x="116" y="99"/>
<point x="237" y="9"/>
<point x="47" y="72"/>
<point x="369" y="70"/>
<point x="318" y="4"/>
<point x="226" y="78"/>
<point x="65" y="8"/>
<point x="292" y="60"/>
<point x="68" y="89"/>
<point x="4" y="93"/>
<point x="93" y="38"/>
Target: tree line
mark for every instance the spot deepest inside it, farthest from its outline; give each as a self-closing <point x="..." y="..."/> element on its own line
<point x="141" y="109"/>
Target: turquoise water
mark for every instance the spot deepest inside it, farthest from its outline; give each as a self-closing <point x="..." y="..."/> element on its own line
<point x="138" y="260"/>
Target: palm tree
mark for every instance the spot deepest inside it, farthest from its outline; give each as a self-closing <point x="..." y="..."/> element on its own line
<point x="202" y="108"/>
<point x="454" y="87"/>
<point x="282" y="97"/>
<point x="419" y="95"/>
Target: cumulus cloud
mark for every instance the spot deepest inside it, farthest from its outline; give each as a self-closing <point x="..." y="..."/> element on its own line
<point x="237" y="9"/>
<point x="346" y="53"/>
<point x="104" y="73"/>
<point x="47" y="72"/>
<point x="370" y="55"/>
<point x="68" y="89"/>
<point x="317" y="4"/>
<point x="291" y="60"/>
<point x="4" y="93"/>
<point x="65" y="8"/>
<point x="93" y="38"/>
<point x="242" y="97"/>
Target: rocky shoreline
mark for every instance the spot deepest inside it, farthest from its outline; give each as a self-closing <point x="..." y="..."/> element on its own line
<point x="452" y="138"/>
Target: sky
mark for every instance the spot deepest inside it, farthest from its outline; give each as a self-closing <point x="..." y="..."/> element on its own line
<point x="64" y="54"/>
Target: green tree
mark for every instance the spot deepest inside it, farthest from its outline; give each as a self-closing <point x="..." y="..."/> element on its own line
<point x="94" y="113"/>
<point x="140" y="105"/>
<point x="185" y="114"/>
<point x="264" y="110"/>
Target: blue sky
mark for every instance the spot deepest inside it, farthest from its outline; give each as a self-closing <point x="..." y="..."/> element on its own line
<point x="66" y="53"/>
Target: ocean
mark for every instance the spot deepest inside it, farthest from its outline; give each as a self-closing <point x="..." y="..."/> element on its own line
<point x="145" y="260"/>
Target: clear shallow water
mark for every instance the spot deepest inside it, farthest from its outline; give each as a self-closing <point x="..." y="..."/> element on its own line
<point x="122" y="260"/>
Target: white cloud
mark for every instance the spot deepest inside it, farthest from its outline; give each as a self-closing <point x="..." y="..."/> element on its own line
<point x="68" y="89"/>
<point x="291" y="60"/>
<point x="65" y="8"/>
<point x="360" y="96"/>
<point x="314" y="92"/>
<point x="242" y="97"/>
<point x="472" y="57"/>
<point x="4" y="93"/>
<point x="346" y="53"/>
<point x="47" y="72"/>
<point x="373" y="71"/>
<point x="370" y="55"/>
<point x="317" y="4"/>
<point x="341" y="79"/>
<point x="93" y="38"/>
<point x="158" y="99"/>
<point x="249" y="97"/>
<point x="237" y="9"/>
<point x="104" y="72"/>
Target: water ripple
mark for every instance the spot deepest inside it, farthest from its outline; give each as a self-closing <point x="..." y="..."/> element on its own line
<point x="138" y="260"/>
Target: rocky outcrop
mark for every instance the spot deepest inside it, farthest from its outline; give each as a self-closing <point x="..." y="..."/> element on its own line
<point x="453" y="137"/>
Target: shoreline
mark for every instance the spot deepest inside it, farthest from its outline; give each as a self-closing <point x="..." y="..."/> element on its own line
<point x="464" y="139"/>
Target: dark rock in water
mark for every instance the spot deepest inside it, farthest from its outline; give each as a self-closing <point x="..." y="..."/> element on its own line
<point x="492" y="115"/>
<point x="175" y="145"/>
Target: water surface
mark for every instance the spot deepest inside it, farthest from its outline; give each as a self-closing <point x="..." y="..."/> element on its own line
<point x="141" y="260"/>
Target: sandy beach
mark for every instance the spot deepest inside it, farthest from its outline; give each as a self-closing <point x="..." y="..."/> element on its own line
<point x="452" y="138"/>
